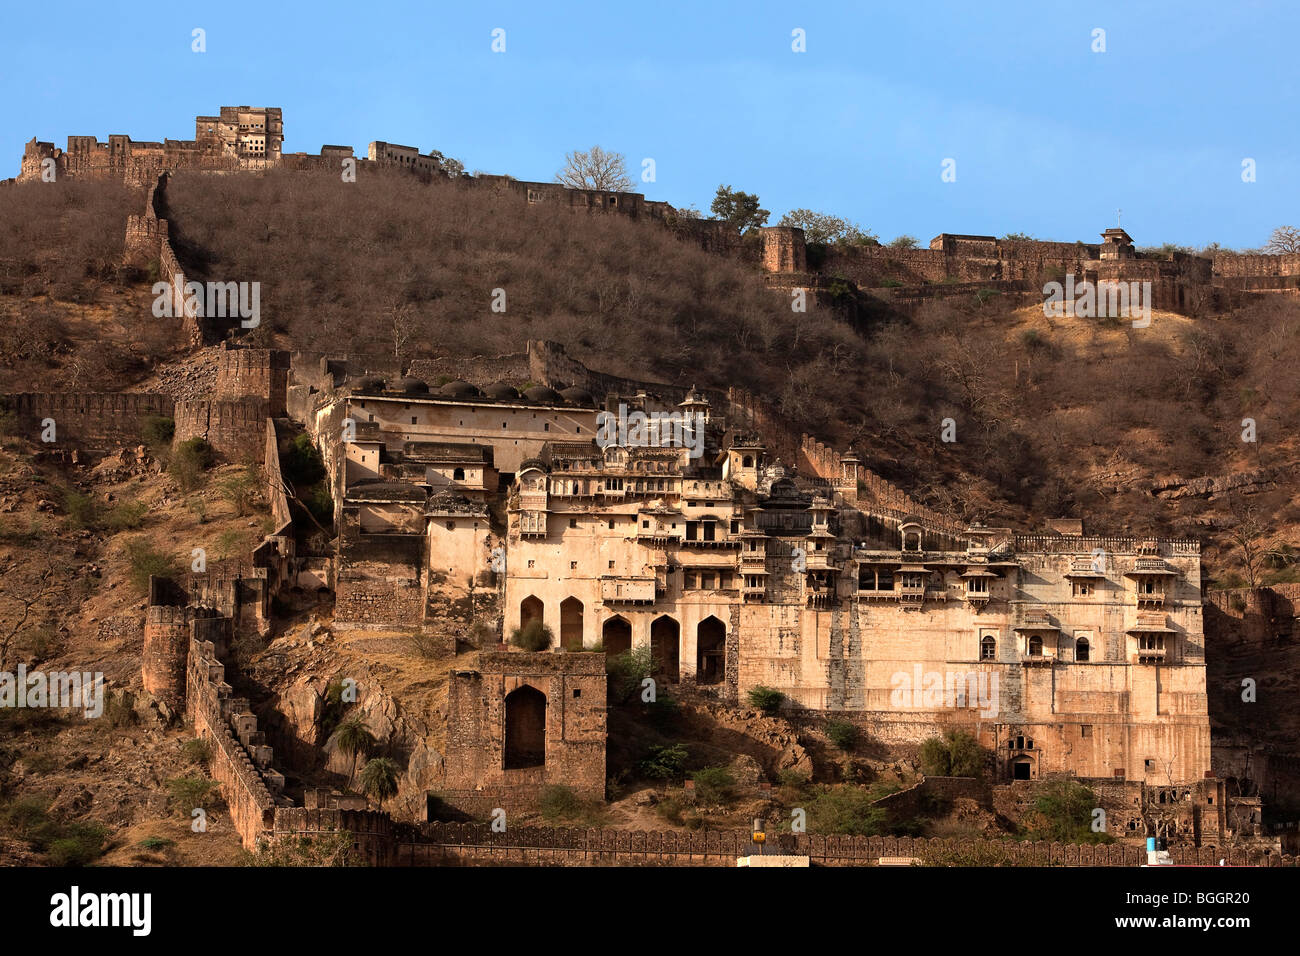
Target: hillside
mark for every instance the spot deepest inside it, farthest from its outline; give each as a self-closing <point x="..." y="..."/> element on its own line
<point x="1136" y="429"/>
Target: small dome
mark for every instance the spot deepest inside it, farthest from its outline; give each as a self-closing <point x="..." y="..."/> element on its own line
<point x="543" y="395"/>
<point x="577" y="396"/>
<point x="370" y="383"/>
<point x="501" y="392"/>
<point x="532" y="464"/>
<point x="413" y="386"/>
<point x="459" y="389"/>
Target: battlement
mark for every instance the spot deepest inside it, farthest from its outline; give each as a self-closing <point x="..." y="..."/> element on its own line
<point x="233" y="427"/>
<point x="95" y="419"/>
<point x="253" y="373"/>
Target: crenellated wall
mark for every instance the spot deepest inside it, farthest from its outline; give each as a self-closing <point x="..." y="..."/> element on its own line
<point x="476" y="843"/>
<point x="95" y="419"/>
<point x="235" y="428"/>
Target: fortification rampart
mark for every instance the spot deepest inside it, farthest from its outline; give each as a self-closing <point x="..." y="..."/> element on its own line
<point x="473" y="843"/>
<point x="96" y="420"/>
<point x="211" y="707"/>
<point x="234" y="428"/>
<point x="246" y="373"/>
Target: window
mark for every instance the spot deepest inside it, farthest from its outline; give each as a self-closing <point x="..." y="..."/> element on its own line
<point x="573" y="565"/>
<point x="412" y="419"/>
<point x="531" y="562"/>
<point x="546" y="426"/>
<point x="611" y="524"/>
<point x="573" y="522"/>
<point x="1081" y="649"/>
<point x="1082" y="588"/>
<point x="458" y="474"/>
<point x="1035" y="646"/>
<point x="577" y="692"/>
<point x="611" y="565"/>
<point x="1085" y="730"/>
<point x="988" y="647"/>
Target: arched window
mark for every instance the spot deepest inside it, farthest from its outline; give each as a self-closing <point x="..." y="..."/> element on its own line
<point x="988" y="648"/>
<point x="458" y="474"/>
<point x="1035" y="646"/>
<point x="525" y="742"/>
<point x="748" y="461"/>
<point x="1081" y="649"/>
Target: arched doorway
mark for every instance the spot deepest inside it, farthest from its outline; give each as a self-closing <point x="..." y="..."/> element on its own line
<point x="525" y="728"/>
<point x="1022" y="768"/>
<point x="616" y="635"/>
<point x="530" y="609"/>
<point x="711" y="651"/>
<point x="571" y="624"/>
<point x="665" y="643"/>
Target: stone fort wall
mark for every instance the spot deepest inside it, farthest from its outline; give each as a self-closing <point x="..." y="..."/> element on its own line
<point x="235" y="428"/>
<point x="471" y="843"/>
<point x="94" y="419"/>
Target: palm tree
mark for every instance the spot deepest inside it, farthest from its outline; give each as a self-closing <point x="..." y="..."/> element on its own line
<point x="353" y="738"/>
<point x="379" y="779"/>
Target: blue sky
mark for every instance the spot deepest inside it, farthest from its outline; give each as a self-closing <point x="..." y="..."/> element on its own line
<point x="1049" y="137"/>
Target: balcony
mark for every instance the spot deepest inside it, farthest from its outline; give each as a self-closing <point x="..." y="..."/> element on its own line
<point x="753" y="559"/>
<point x="627" y="590"/>
<point x="822" y="561"/>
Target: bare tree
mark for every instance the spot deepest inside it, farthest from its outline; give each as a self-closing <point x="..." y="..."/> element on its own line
<point x="405" y="327"/>
<point x="26" y="593"/>
<point x="1249" y="533"/>
<point x="595" y="169"/>
<point x="1284" y="239"/>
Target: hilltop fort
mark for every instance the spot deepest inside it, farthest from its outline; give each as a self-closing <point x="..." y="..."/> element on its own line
<point x="468" y="507"/>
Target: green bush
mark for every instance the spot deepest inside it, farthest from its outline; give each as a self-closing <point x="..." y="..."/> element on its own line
<point x="558" y="802"/>
<point x="158" y="432"/>
<point x="301" y="462"/>
<point x="124" y="516"/>
<point x="664" y="711"/>
<point x="766" y="699"/>
<point x="714" y="785"/>
<point x="1063" y="812"/>
<point x="147" y="561"/>
<point x="956" y="754"/>
<point x="842" y="733"/>
<point x="81" y="510"/>
<point x="198" y="750"/>
<point x="189" y="793"/>
<point x="189" y="461"/>
<point x="327" y="849"/>
<point x="533" y="636"/>
<point x="68" y="844"/>
<point x="81" y="843"/>
<point x="627" y="670"/>
<point x="846" y="809"/>
<point x="240" y="490"/>
<point x="664" y="763"/>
